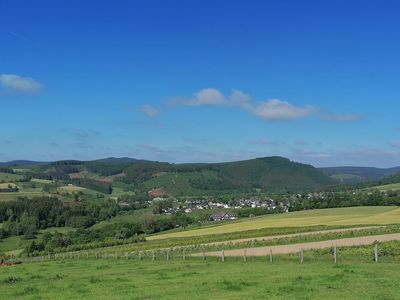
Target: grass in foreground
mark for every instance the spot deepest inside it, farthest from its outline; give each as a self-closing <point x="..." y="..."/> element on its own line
<point x="196" y="279"/>
<point x="333" y="216"/>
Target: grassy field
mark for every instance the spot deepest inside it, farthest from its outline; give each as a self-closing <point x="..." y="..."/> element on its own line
<point x="42" y="181"/>
<point x="334" y="216"/>
<point x="387" y="187"/>
<point x="7" y="184"/>
<point x="15" y="195"/>
<point x="72" y="188"/>
<point x="6" y="177"/>
<point x="196" y="279"/>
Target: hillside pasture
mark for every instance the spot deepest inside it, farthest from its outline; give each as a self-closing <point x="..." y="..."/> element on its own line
<point x="6" y="177"/>
<point x="72" y="188"/>
<point x="41" y="181"/>
<point x="15" y="195"/>
<point x="368" y="215"/>
<point x="386" y="187"/>
<point x="7" y="185"/>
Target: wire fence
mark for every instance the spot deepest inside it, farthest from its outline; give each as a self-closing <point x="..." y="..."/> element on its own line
<point x="376" y="253"/>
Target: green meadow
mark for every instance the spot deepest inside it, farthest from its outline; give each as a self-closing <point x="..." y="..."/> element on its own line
<point x="197" y="279"/>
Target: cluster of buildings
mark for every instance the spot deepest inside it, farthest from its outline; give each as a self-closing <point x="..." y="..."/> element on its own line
<point x="201" y="204"/>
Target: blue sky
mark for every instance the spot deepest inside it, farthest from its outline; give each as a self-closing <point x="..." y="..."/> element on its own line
<point x="183" y="81"/>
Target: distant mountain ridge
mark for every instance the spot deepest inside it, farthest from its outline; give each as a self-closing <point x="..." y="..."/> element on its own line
<point x="268" y="173"/>
<point x="21" y="163"/>
<point x="349" y="174"/>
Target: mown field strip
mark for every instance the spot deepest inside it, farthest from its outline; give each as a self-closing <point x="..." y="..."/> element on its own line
<point x="349" y="216"/>
<point x="272" y="237"/>
<point x="294" y="248"/>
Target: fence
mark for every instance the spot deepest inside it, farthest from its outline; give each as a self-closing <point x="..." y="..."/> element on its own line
<point x="335" y="254"/>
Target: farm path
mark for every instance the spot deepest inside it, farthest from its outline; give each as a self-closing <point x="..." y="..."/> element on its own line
<point x="294" y="248"/>
<point x="272" y="237"/>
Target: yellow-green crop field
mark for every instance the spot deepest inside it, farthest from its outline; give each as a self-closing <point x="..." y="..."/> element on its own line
<point x="72" y="188"/>
<point x="369" y="215"/>
<point x="44" y="181"/>
<point x="387" y="187"/>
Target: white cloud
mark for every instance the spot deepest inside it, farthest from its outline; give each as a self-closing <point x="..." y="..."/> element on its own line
<point x="149" y="110"/>
<point x="20" y="84"/>
<point x="277" y="110"/>
<point x="269" y="110"/>
<point x="208" y="96"/>
<point x="240" y="99"/>
<point x="341" y="117"/>
<point x="264" y="142"/>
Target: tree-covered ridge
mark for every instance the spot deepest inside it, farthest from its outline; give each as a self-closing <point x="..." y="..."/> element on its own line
<point x="275" y="174"/>
<point x="271" y="173"/>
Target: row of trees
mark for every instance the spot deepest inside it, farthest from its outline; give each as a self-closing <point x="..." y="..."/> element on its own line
<point x="347" y="199"/>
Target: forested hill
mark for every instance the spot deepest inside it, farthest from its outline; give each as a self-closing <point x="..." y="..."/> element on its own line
<point x="268" y="173"/>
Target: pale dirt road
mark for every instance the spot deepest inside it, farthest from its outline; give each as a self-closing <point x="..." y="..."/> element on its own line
<point x="272" y="237"/>
<point x="294" y="248"/>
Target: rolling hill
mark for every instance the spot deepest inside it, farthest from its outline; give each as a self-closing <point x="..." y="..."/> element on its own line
<point x="272" y="174"/>
<point x="268" y="173"/>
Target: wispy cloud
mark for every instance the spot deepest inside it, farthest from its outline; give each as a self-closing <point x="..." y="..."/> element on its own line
<point x="208" y="96"/>
<point x="269" y="110"/>
<point x="394" y="144"/>
<point x="84" y="137"/>
<point x="20" y="84"/>
<point x="264" y="142"/>
<point x="301" y="142"/>
<point x="54" y="144"/>
<point x="149" y="110"/>
<point x="341" y="117"/>
<point x="279" y="110"/>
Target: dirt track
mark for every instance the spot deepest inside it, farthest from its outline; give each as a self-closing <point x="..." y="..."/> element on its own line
<point x="293" y="248"/>
<point x="272" y="237"/>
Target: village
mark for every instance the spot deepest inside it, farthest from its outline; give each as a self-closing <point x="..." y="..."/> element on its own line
<point x="219" y="210"/>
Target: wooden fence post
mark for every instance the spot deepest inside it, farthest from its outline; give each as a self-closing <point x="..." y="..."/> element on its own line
<point x="222" y="255"/>
<point x="153" y="255"/>
<point x="376" y="253"/>
<point x="204" y="255"/>
<point x="301" y="256"/>
<point x="183" y="254"/>
<point x="244" y="255"/>
<point x="334" y="255"/>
